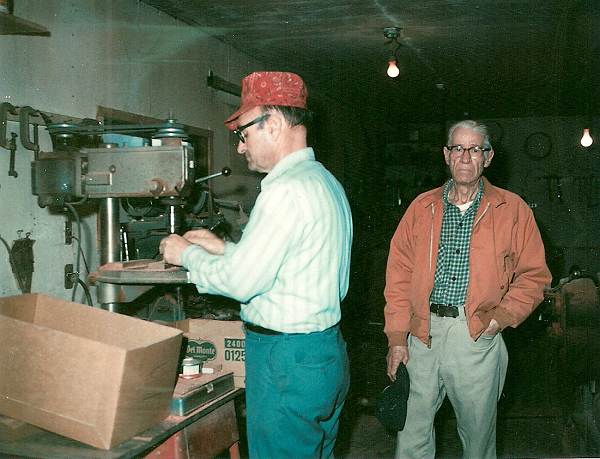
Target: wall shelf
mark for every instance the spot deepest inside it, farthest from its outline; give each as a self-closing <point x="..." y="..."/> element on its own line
<point x="12" y="25"/>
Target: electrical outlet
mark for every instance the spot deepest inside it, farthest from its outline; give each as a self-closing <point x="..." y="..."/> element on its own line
<point x="69" y="276"/>
<point x="68" y="232"/>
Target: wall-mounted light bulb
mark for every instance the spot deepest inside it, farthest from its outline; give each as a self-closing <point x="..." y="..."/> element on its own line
<point x="586" y="138"/>
<point x="393" y="71"/>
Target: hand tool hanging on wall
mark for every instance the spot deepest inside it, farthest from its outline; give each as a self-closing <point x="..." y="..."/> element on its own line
<point x="25" y="113"/>
<point x="554" y="183"/>
<point x="559" y="192"/>
<point x="11" y="145"/>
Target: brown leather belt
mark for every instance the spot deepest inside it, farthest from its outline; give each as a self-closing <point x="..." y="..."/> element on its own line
<point x="261" y="330"/>
<point x="444" y="310"/>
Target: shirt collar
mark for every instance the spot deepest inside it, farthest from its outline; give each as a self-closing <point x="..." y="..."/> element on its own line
<point x="287" y="163"/>
<point x="491" y="195"/>
<point x="450" y="183"/>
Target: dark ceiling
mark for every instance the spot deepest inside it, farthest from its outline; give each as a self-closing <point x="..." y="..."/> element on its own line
<point x="477" y="58"/>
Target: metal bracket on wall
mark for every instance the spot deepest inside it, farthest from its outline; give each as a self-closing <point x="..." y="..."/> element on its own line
<point x="220" y="84"/>
<point x="12" y="25"/>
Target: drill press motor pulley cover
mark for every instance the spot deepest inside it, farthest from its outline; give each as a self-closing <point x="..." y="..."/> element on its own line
<point x="82" y="168"/>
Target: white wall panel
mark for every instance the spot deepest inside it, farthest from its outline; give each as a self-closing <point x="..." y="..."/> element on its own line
<point x="120" y="54"/>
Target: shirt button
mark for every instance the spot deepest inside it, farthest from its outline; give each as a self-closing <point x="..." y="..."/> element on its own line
<point x="460" y="224"/>
<point x="457" y="251"/>
<point x="502" y="287"/>
<point x="453" y="278"/>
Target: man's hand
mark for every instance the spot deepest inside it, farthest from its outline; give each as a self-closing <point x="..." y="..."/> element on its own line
<point x="207" y="240"/>
<point x="493" y="328"/>
<point x="396" y="354"/>
<point x="172" y="247"/>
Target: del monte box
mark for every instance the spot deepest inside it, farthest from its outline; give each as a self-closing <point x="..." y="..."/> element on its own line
<point x="217" y="342"/>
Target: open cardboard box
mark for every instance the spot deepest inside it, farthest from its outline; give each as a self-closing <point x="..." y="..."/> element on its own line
<point x="88" y="374"/>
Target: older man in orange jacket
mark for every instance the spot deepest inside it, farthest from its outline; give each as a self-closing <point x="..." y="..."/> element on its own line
<point x="465" y="262"/>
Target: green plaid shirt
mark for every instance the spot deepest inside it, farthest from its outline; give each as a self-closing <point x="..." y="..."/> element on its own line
<point x="452" y="270"/>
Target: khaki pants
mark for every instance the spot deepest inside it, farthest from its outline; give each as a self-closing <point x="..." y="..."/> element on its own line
<point x="470" y="372"/>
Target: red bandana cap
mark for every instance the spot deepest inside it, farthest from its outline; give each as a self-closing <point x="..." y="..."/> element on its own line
<point x="269" y="88"/>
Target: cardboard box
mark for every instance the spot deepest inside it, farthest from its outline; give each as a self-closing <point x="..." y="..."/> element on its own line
<point x="88" y="374"/>
<point x="217" y="342"/>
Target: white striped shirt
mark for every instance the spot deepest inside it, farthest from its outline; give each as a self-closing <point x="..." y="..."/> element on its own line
<point x="290" y="270"/>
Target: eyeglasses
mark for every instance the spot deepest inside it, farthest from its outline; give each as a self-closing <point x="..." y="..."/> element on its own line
<point x="475" y="152"/>
<point x="240" y="129"/>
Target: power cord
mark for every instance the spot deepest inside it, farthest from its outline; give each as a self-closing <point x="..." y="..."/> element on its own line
<point x="77" y="259"/>
<point x="74" y="278"/>
<point x="85" y="263"/>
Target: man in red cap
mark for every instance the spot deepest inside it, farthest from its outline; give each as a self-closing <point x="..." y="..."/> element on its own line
<point x="290" y="271"/>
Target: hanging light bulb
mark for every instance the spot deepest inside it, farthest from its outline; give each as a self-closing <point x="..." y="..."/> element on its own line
<point x="393" y="71"/>
<point x="586" y="138"/>
<point x="391" y="34"/>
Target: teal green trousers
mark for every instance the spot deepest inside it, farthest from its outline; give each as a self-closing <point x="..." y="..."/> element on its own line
<point x="296" y="385"/>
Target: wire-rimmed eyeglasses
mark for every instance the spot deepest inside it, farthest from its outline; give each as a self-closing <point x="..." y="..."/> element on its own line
<point x="240" y="129"/>
<point x="475" y="152"/>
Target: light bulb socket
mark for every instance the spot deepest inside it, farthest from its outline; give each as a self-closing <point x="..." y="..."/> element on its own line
<point x="391" y="33"/>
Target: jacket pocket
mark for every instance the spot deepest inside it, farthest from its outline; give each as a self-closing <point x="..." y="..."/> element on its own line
<point x="508" y="270"/>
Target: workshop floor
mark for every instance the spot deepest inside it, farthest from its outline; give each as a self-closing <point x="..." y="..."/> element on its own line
<point x="540" y="416"/>
<point x="518" y="437"/>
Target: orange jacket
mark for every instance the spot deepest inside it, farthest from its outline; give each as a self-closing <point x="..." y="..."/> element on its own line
<point x="507" y="272"/>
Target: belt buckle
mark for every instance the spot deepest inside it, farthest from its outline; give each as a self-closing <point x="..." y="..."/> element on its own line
<point x="451" y="311"/>
<point x="444" y="310"/>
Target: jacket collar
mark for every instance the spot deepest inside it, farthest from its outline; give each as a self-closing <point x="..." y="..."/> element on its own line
<point x="490" y="194"/>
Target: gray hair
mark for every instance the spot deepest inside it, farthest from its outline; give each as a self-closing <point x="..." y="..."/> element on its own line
<point x="480" y="128"/>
